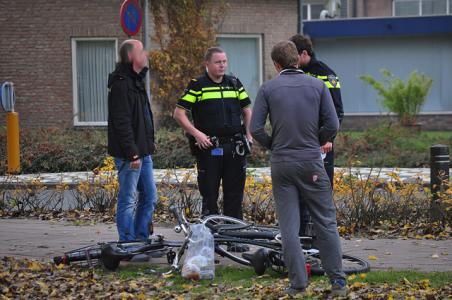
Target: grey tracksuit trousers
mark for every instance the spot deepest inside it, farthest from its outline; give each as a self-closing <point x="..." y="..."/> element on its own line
<point x="306" y="181"/>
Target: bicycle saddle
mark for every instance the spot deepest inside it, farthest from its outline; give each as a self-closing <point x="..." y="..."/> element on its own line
<point x="259" y="260"/>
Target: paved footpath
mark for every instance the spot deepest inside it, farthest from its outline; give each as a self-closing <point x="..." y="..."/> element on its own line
<point x="44" y="239"/>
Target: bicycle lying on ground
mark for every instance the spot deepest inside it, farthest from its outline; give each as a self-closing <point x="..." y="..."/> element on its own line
<point x="260" y="247"/>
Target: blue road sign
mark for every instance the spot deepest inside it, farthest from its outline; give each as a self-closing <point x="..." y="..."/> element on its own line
<point x="131" y="17"/>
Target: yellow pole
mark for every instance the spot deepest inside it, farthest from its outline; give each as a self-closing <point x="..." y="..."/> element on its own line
<point x="12" y="141"/>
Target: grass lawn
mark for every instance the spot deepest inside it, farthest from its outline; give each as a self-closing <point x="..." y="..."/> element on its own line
<point x="430" y="135"/>
<point x="233" y="282"/>
<point x="31" y="279"/>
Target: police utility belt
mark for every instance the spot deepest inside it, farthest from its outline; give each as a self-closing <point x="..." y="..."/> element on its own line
<point x="238" y="142"/>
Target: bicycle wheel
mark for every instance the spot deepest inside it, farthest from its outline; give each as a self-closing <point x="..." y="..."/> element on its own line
<point x="350" y="264"/>
<point x="227" y="247"/>
<point x="89" y="255"/>
<point x="247" y="247"/>
<point x="113" y="253"/>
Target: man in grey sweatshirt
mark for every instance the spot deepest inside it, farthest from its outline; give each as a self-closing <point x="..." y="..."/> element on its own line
<point x="295" y="103"/>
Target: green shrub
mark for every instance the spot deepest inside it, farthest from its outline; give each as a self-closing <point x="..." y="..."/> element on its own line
<point x="172" y="150"/>
<point x="68" y="150"/>
<point x="404" y="99"/>
<point x="57" y="150"/>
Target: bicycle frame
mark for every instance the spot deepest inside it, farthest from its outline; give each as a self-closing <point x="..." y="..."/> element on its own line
<point x="184" y="226"/>
<point x="223" y="235"/>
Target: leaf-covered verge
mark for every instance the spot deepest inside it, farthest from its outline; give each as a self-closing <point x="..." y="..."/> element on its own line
<point x="30" y="279"/>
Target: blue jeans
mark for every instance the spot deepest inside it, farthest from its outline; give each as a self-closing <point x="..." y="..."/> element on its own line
<point x="134" y="217"/>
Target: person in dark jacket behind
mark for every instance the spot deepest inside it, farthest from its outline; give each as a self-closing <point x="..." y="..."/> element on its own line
<point x="131" y="142"/>
<point x="309" y="63"/>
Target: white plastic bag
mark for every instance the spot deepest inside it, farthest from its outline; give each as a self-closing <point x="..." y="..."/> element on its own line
<point x="199" y="261"/>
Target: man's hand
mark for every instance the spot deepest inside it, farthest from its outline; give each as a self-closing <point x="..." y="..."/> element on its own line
<point x="327" y="147"/>
<point x="135" y="164"/>
<point x="202" y="140"/>
<point x="249" y="137"/>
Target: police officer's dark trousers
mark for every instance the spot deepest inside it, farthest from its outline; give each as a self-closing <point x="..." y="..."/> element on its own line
<point x="228" y="169"/>
<point x="305" y="218"/>
<point x="328" y="162"/>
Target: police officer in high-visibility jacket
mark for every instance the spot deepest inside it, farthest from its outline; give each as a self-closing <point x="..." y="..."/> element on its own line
<point x="220" y="138"/>
<point x="311" y="66"/>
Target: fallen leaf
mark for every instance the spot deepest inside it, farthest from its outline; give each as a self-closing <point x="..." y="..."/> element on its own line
<point x="406" y="281"/>
<point x="351" y="277"/>
<point x="168" y="275"/>
<point x="133" y="285"/>
<point x="34" y="266"/>
<point x="429" y="236"/>
<point x="357" y="285"/>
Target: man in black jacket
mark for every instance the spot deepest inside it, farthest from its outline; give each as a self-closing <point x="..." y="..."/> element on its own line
<point x="131" y="142"/>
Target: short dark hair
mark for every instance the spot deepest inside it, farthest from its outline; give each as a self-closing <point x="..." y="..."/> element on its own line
<point x="211" y="51"/>
<point x="303" y="43"/>
<point x="124" y="50"/>
<point x="285" y="54"/>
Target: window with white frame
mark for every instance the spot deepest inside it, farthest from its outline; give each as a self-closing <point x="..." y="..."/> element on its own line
<point x="311" y="11"/>
<point x="313" y="8"/>
<point x="244" y="53"/>
<point x="92" y="60"/>
<point x="421" y="7"/>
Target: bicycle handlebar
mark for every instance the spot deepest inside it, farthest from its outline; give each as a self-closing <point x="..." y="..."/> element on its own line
<point x="175" y="211"/>
<point x="184" y="225"/>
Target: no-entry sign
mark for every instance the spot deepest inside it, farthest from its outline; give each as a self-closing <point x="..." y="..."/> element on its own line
<point x="131" y="17"/>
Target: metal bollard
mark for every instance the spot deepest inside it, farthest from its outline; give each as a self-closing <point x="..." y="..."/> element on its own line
<point x="12" y="142"/>
<point x="439" y="178"/>
<point x="7" y="101"/>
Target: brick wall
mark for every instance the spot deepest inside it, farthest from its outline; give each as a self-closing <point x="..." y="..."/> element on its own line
<point x="35" y="52"/>
<point x="275" y="20"/>
<point x="36" y="46"/>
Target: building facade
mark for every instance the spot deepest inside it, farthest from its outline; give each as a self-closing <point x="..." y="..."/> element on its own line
<point x="401" y="36"/>
<point x="58" y="53"/>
